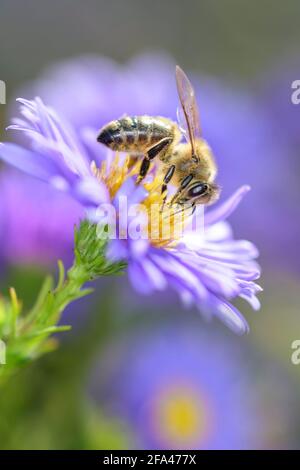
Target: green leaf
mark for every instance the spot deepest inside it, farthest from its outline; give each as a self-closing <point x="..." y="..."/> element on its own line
<point x="28" y="335"/>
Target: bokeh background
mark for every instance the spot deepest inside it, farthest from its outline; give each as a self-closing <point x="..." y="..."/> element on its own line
<point x="136" y="372"/>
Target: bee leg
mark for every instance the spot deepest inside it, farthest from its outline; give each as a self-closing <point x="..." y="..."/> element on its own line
<point x="193" y="207"/>
<point x="183" y="208"/>
<point x="150" y="155"/>
<point x="167" y="178"/>
<point x="184" y="183"/>
<point x="143" y="169"/>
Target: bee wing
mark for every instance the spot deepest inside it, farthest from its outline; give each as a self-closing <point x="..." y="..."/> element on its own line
<point x="188" y="113"/>
<point x="182" y="123"/>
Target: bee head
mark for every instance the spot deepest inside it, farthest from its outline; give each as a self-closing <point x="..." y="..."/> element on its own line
<point x="201" y="193"/>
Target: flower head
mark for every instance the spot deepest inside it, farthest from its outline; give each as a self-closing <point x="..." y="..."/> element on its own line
<point x="206" y="271"/>
<point x="89" y="91"/>
<point x="179" y="387"/>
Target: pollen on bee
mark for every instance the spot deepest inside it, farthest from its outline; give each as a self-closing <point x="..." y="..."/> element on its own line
<point x="165" y="222"/>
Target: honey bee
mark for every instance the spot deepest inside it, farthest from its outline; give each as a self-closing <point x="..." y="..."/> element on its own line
<point x="189" y="165"/>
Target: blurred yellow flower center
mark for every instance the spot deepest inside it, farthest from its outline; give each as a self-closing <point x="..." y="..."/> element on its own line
<point x="165" y="224"/>
<point x="181" y="417"/>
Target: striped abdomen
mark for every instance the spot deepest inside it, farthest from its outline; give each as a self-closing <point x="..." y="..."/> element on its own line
<point x="136" y="133"/>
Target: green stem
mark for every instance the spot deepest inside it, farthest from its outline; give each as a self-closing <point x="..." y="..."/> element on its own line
<point x="27" y="337"/>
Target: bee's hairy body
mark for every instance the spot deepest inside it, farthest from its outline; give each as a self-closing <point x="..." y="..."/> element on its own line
<point x="160" y="137"/>
<point x="181" y="157"/>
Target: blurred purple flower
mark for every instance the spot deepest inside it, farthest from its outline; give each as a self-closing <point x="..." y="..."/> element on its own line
<point x="208" y="273"/>
<point x="281" y="201"/>
<point x="36" y="221"/>
<point x="89" y="91"/>
<point x="276" y="94"/>
<point x="181" y="387"/>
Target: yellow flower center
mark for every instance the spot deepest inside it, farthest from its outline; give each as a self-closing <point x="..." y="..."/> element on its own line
<point x="182" y="417"/>
<point x="165" y="223"/>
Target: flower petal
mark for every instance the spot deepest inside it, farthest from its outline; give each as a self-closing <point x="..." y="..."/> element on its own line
<point x="154" y="274"/>
<point x="30" y="162"/>
<point x="251" y="299"/>
<point x="116" y="250"/>
<point x="224" y="210"/>
<point x="232" y="318"/>
<point x="134" y="194"/>
<point x="91" y="191"/>
<point x="139" y="278"/>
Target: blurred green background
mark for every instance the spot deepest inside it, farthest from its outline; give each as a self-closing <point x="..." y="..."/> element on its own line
<point x="231" y="38"/>
<point x="48" y="405"/>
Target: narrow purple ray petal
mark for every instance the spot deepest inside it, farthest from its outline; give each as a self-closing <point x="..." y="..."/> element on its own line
<point x="154" y="274"/>
<point x="135" y="194"/>
<point x="175" y="269"/>
<point x="55" y="134"/>
<point x="251" y="299"/>
<point x="216" y="277"/>
<point x="139" y="248"/>
<point x="226" y="208"/>
<point x="217" y="232"/>
<point x="234" y="249"/>
<point x="229" y="315"/>
<point x="139" y="278"/>
<point x="91" y="191"/>
<point x="96" y="151"/>
<point x="28" y="161"/>
<point x="117" y="250"/>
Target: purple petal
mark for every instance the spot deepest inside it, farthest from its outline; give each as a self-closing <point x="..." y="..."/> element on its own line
<point x="49" y="133"/>
<point x="139" y="248"/>
<point x="155" y="275"/>
<point x="116" y="250"/>
<point x="216" y="277"/>
<point x="139" y="279"/>
<point x="175" y="269"/>
<point x="219" y="231"/>
<point x="30" y="162"/>
<point x="135" y="194"/>
<point x="251" y="299"/>
<point x="241" y="250"/>
<point x="97" y="152"/>
<point x="60" y="183"/>
<point x="250" y="272"/>
<point x="232" y="318"/>
<point x="91" y="191"/>
<point x="224" y="210"/>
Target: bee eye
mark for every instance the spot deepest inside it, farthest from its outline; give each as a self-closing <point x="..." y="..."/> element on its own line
<point x="198" y="189"/>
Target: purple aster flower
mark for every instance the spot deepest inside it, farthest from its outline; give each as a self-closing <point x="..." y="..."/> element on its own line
<point x="101" y="83"/>
<point x="208" y="272"/>
<point x="89" y="91"/>
<point x="182" y="387"/>
<point x="205" y="271"/>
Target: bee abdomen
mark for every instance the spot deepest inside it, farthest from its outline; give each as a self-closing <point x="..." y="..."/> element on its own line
<point x="134" y="133"/>
<point x="111" y="135"/>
